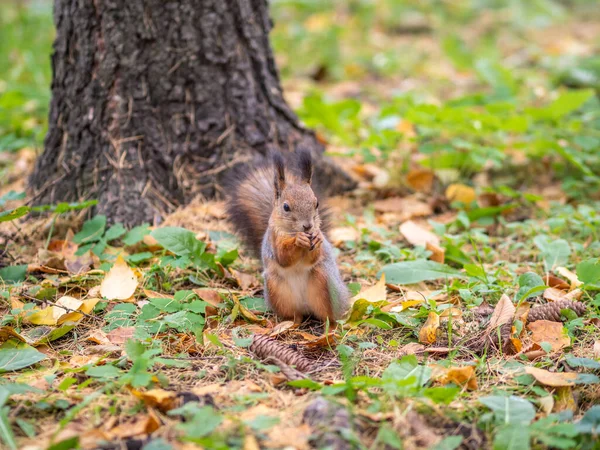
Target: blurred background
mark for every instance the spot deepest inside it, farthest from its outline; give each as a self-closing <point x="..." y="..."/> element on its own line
<point x="461" y="86"/>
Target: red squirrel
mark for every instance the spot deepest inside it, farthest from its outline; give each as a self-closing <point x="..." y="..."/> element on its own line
<point x="276" y="212"/>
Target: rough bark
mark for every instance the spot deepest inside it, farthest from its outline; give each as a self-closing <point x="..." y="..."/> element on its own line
<point x="153" y="101"/>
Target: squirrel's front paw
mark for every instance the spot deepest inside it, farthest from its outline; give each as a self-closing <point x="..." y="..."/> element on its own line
<point x="317" y="240"/>
<point x="303" y="240"/>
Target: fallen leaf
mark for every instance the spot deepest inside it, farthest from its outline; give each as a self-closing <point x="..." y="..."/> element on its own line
<point x="157" y="398"/>
<point x="120" y="283"/>
<point x="282" y="327"/>
<point x="563" y="271"/>
<point x="323" y="341"/>
<point x="553" y="379"/>
<point x="210" y="296"/>
<point x="575" y="294"/>
<point x="402" y="306"/>
<point x="374" y="293"/>
<point x="417" y="235"/>
<point x="555" y="282"/>
<point x="340" y="235"/>
<point x="554" y="295"/>
<point x="455" y="313"/>
<point x="245" y="280"/>
<point x="438" y="254"/>
<point x="428" y="332"/>
<point x="596" y="349"/>
<point x="98" y="336"/>
<point x="564" y="399"/>
<point x="250" y="442"/>
<point x="550" y="332"/>
<point x="7" y="333"/>
<point x="154" y="294"/>
<point x="407" y="207"/>
<point x="504" y="312"/>
<point x="139" y="425"/>
<point x="420" y="180"/>
<point x="411" y="349"/>
<point x="119" y="336"/>
<point x="461" y="376"/>
<point x="82" y="360"/>
<point x="460" y="193"/>
<point x="546" y="404"/>
<point x="289" y="437"/>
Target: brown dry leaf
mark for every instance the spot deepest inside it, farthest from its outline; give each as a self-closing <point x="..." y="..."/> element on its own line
<point x="82" y="360"/>
<point x="374" y="293"/>
<point x="554" y="379"/>
<point x="575" y="294"/>
<point x="555" y="282"/>
<point x="139" y="425"/>
<point x="323" y="341"/>
<point x="119" y="336"/>
<point x="417" y="235"/>
<point x="120" y="282"/>
<point x="250" y="442"/>
<point x="504" y="312"/>
<point x="428" y="332"/>
<point x="460" y="193"/>
<point x="420" y="180"/>
<point x="411" y="349"/>
<point x="283" y="327"/>
<point x="98" y="336"/>
<point x="455" y="313"/>
<point x="563" y="271"/>
<point x="438" y="254"/>
<point x="551" y="332"/>
<point x="210" y="296"/>
<point x="289" y="437"/>
<point x="522" y="312"/>
<point x="407" y="207"/>
<point x="157" y="398"/>
<point x="154" y="294"/>
<point x="245" y="280"/>
<point x="553" y="295"/>
<point x="596" y="349"/>
<point x="340" y="235"/>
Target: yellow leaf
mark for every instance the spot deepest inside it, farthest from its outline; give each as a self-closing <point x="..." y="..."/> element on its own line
<point x="564" y="399"/>
<point x="120" y="283"/>
<point x="504" y="312"/>
<point x="42" y="317"/>
<point x="554" y="379"/>
<point x="438" y="254"/>
<point x="338" y="236"/>
<point x="575" y="283"/>
<point x="374" y="293"/>
<point x="406" y="304"/>
<point x="460" y="193"/>
<point x="455" y="313"/>
<point x="420" y="180"/>
<point x="550" y="332"/>
<point x="157" y="398"/>
<point x="427" y="334"/>
<point x="463" y="376"/>
<point x="89" y="305"/>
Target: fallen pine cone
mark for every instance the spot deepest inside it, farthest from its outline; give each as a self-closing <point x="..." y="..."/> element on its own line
<point x="551" y="311"/>
<point x="266" y="347"/>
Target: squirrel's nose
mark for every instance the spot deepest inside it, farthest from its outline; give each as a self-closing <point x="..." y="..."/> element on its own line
<point x="307" y="226"/>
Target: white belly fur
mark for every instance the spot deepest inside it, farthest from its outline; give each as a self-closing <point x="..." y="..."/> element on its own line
<point x="296" y="278"/>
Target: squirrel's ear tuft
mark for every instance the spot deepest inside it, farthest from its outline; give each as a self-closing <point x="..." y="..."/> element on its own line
<point x="279" y="174"/>
<point x="305" y="165"/>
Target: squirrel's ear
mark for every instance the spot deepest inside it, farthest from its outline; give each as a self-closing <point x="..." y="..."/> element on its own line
<point x="305" y="164"/>
<point x="279" y="174"/>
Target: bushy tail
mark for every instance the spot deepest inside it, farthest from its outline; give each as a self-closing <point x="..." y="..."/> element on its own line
<point x="250" y="191"/>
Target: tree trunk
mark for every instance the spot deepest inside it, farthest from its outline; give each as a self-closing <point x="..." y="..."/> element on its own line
<point x="153" y="101"/>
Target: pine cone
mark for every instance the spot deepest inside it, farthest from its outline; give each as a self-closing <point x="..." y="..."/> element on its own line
<point x="265" y="347"/>
<point x="551" y="311"/>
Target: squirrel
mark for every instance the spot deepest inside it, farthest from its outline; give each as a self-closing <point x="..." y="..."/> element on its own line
<point x="275" y="210"/>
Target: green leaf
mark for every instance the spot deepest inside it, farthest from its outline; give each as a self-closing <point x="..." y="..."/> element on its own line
<point x="511" y="410"/>
<point x="204" y="421"/>
<point x="555" y="252"/>
<point x="529" y="284"/>
<point x="19" y="357"/>
<point x="441" y="394"/>
<point x="589" y="271"/>
<point x="103" y="372"/>
<point x="262" y="423"/>
<point x="448" y="443"/>
<point x="305" y="383"/>
<point x="566" y="103"/>
<point x="139" y="257"/>
<point x="13" y="274"/>
<point x="91" y="231"/>
<point x="6" y="432"/>
<point x="179" y="241"/>
<point x="515" y="437"/>
<point x="11" y="196"/>
<point x="586" y="363"/>
<point x="13" y="214"/>
<point x="136" y="234"/>
<point x="115" y="232"/>
<point x="410" y="272"/>
<point x="405" y="369"/>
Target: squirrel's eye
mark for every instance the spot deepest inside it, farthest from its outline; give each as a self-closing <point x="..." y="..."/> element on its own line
<point x="286" y="207"/>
